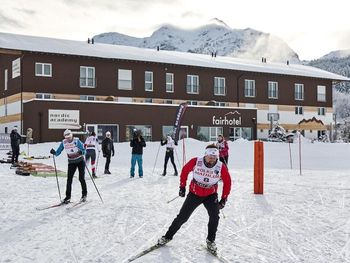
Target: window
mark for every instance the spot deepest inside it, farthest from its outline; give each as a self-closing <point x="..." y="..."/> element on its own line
<point x="87" y="97"/>
<point x="148" y="80"/>
<point x="220" y="104"/>
<point x="321" y="93"/>
<point x="299" y="91"/>
<point x="192" y="84"/>
<point x="219" y="86"/>
<point x="43" y="69"/>
<point x="322" y="111"/>
<point x="87" y="77"/>
<point x="146" y="131"/>
<point x="240" y="132"/>
<point x="192" y="102"/>
<point x="299" y="110"/>
<point x="148" y="100"/>
<point x="169" y="82"/>
<point x="168" y="101"/>
<point x="124" y="79"/>
<point x="249" y="88"/>
<point x="273" y="90"/>
<point x="209" y="133"/>
<point x="43" y="96"/>
<point x="5" y="79"/>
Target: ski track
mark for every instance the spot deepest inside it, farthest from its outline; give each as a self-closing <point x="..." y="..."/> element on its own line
<point x="298" y="219"/>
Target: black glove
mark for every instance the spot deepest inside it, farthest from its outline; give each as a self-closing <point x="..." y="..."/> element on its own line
<point x="176" y="143"/>
<point x="222" y="203"/>
<point x="113" y="154"/>
<point x="182" y="191"/>
<point x="52" y="151"/>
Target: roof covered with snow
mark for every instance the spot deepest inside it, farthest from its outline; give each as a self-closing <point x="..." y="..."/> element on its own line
<point x="80" y="48"/>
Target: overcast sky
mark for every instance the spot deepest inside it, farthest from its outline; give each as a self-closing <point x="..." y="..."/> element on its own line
<point x="312" y="28"/>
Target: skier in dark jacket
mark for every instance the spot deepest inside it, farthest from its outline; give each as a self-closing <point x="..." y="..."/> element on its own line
<point x="75" y="153"/>
<point x="137" y="144"/>
<point x="169" y="153"/>
<point x="107" y="150"/>
<point x="15" y="142"/>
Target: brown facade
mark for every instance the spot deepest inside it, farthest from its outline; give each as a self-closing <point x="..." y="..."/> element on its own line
<point x="36" y="117"/>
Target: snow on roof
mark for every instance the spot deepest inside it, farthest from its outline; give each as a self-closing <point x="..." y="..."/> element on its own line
<point x="81" y="48"/>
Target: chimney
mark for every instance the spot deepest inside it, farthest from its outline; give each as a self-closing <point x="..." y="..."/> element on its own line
<point x="262" y="60"/>
<point x="88" y="40"/>
<point x="92" y="41"/>
<point x="287" y="62"/>
<point x="157" y="48"/>
<point x="215" y="54"/>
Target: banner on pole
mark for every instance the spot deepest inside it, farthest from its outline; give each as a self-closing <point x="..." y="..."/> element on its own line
<point x="178" y="119"/>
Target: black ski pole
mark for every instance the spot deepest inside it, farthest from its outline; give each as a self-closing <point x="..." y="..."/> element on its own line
<point x="98" y="157"/>
<point x="58" y="185"/>
<point x="156" y="160"/>
<point x="172" y="199"/>
<point x="93" y="182"/>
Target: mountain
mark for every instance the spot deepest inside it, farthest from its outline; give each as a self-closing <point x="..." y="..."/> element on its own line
<point x="216" y="36"/>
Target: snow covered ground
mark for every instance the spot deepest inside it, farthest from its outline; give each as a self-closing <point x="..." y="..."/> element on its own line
<point x="298" y="219"/>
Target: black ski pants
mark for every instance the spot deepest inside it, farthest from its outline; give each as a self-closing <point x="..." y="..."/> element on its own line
<point x="15" y="153"/>
<point x="169" y="154"/>
<point x="191" y="203"/>
<point x="72" y="167"/>
<point x="108" y="161"/>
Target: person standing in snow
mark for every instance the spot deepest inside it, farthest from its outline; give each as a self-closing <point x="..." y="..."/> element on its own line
<point x="107" y="150"/>
<point x="169" y="153"/>
<point x="207" y="172"/>
<point x="137" y="143"/>
<point x="15" y="142"/>
<point x="75" y="153"/>
<point x="223" y="149"/>
<point x="91" y="145"/>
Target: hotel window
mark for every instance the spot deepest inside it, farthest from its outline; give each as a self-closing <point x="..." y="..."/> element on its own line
<point x="322" y="111"/>
<point x="299" y="91"/>
<point x="43" y="69"/>
<point x="146" y="131"/>
<point x="5" y="78"/>
<point x="192" y="84"/>
<point x="169" y="79"/>
<point x="321" y="93"/>
<point x="148" y="81"/>
<point x="273" y="90"/>
<point x="219" y="86"/>
<point x="249" y="88"/>
<point x="299" y="110"/>
<point x="220" y="104"/>
<point x="87" y="77"/>
<point x="87" y="97"/>
<point x="124" y="79"/>
<point x="43" y="96"/>
<point x="148" y="100"/>
<point x="168" y="101"/>
<point x="236" y="133"/>
<point x="192" y="102"/>
<point x="209" y="133"/>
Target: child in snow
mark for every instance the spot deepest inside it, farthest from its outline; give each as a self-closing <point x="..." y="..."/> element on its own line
<point x="91" y="145"/>
<point x="75" y="153"/>
<point x="169" y="153"/>
<point x="207" y="172"/>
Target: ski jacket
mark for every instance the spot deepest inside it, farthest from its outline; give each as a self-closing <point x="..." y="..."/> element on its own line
<point x="15" y="139"/>
<point x="107" y="146"/>
<point x="169" y="142"/>
<point x="223" y="148"/>
<point x="137" y="146"/>
<point x="74" y="149"/>
<point x="205" y="180"/>
<point x="91" y="143"/>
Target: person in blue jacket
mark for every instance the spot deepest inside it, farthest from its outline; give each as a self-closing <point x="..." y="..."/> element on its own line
<point x="75" y="153"/>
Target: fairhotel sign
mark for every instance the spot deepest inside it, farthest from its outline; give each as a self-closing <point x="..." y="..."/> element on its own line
<point x="233" y="118"/>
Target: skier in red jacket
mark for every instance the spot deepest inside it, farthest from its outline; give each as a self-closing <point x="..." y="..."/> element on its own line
<point x="207" y="172"/>
<point x="223" y="149"/>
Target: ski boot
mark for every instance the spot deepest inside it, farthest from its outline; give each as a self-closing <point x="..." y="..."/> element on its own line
<point x="175" y="174"/>
<point x="211" y="246"/>
<point x="66" y="201"/>
<point x="83" y="199"/>
<point x="164" y="174"/>
<point x="163" y="240"/>
<point x="94" y="175"/>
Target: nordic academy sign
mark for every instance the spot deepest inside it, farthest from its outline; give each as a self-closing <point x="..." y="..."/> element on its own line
<point x="64" y="119"/>
<point x="233" y="118"/>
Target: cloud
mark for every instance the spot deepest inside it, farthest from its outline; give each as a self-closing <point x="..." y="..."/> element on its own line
<point x="9" y="22"/>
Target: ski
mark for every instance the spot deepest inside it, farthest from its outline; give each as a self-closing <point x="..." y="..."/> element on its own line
<point x="50" y="206"/>
<point x="217" y="255"/>
<point x="76" y="205"/>
<point x="146" y="251"/>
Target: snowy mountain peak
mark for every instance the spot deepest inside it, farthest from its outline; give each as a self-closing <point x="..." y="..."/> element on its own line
<point x="337" y="54"/>
<point x="216" y="36"/>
